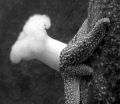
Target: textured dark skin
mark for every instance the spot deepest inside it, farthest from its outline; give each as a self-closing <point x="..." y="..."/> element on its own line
<point x="105" y="61"/>
<point x="77" y="51"/>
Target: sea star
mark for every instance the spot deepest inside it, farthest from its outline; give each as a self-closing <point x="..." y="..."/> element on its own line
<point x="76" y="52"/>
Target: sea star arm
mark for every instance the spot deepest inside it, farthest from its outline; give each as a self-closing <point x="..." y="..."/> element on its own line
<point x="78" y="50"/>
<point x="72" y="83"/>
<point x="71" y="89"/>
<point x="81" y="33"/>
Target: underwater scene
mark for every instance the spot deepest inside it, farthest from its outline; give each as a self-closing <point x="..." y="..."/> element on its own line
<point x="59" y="52"/>
<point x="33" y="82"/>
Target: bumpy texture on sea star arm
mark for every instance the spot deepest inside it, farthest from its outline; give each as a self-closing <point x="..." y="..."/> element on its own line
<point x="81" y="48"/>
<point x="78" y="50"/>
<point x="71" y="89"/>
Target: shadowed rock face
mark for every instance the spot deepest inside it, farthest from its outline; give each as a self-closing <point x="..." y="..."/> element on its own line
<point x="105" y="60"/>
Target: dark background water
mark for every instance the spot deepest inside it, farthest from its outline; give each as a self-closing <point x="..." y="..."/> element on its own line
<point x="32" y="82"/>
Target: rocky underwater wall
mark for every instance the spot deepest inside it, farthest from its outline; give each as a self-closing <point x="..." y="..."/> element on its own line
<point x="105" y="85"/>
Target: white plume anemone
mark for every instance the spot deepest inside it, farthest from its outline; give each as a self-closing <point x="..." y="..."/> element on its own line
<point x="34" y="43"/>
